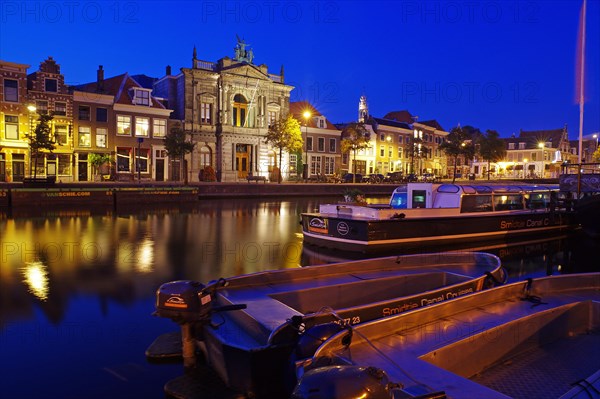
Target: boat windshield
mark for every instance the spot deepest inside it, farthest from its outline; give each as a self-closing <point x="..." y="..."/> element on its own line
<point x="399" y="200"/>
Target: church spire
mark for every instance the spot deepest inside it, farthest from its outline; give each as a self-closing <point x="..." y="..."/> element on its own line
<point x="363" y="109"/>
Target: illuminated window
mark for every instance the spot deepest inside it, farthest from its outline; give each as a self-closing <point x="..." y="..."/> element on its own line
<point x="124" y="125"/>
<point x="101" y="134"/>
<point x="11" y="127"/>
<point x="141" y="126"/>
<point x="240" y="106"/>
<point x="159" y="128"/>
<point x="60" y="132"/>
<point x="84" y="136"/>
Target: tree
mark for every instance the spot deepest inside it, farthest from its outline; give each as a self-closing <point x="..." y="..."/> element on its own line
<point x="177" y="145"/>
<point x="41" y="140"/>
<point x="97" y="160"/>
<point x="284" y="134"/>
<point x="458" y="143"/>
<point x="491" y="148"/>
<point x="355" y="136"/>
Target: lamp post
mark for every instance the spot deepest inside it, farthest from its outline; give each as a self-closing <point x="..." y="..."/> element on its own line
<point x="306" y="116"/>
<point x="389" y="140"/>
<point x="596" y="137"/>
<point x="541" y="146"/>
<point x="32" y="109"/>
<point x="140" y="140"/>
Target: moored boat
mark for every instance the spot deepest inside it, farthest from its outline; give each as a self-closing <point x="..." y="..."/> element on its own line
<point x="426" y="214"/>
<point x="536" y="338"/>
<point x="587" y="210"/>
<point x="251" y="328"/>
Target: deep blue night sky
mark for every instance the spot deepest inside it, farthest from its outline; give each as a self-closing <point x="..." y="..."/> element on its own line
<point x="503" y="65"/>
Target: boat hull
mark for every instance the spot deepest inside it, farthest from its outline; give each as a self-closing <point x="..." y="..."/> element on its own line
<point x="253" y="349"/>
<point x="464" y="347"/>
<point x="587" y="210"/>
<point x="369" y="236"/>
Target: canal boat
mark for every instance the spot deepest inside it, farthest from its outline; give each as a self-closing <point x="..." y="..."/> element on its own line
<point x="537" y="338"/>
<point x="251" y="327"/>
<point x="426" y="214"/>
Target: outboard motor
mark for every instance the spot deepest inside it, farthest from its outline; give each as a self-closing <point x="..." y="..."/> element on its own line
<point x="183" y="301"/>
<point x="188" y="303"/>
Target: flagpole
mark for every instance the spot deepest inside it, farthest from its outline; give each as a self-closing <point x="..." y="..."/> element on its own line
<point x="581" y="80"/>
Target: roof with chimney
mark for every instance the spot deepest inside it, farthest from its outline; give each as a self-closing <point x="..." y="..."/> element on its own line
<point x="120" y="87"/>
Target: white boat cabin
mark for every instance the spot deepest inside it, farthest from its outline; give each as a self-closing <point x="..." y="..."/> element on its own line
<point x="471" y="198"/>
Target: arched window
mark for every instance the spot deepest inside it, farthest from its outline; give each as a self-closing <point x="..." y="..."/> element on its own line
<point x="205" y="157"/>
<point x="240" y="106"/>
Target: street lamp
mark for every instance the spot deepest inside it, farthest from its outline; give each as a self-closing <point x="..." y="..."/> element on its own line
<point x="306" y="116"/>
<point x="32" y="109"/>
<point x="389" y="140"/>
<point x="541" y="146"/>
<point x="596" y="137"/>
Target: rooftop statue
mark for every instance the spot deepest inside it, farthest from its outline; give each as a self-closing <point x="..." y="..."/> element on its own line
<point x="241" y="54"/>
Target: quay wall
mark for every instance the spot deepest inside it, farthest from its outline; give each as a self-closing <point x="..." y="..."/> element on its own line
<point x="112" y="195"/>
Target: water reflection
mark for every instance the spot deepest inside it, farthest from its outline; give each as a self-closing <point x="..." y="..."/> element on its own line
<point x="35" y="275"/>
<point x="82" y="282"/>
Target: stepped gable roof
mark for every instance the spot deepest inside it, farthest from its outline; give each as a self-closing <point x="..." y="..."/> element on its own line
<point x="432" y="123"/>
<point x="399" y="116"/>
<point x="117" y="86"/>
<point x="297" y="109"/>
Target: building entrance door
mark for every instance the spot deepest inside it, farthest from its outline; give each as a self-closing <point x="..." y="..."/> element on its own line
<point x="2" y="168"/>
<point x="18" y="167"/>
<point x="160" y="169"/>
<point x="242" y="160"/>
<point x="82" y="170"/>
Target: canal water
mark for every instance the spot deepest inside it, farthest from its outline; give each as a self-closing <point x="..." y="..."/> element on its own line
<point x="77" y="286"/>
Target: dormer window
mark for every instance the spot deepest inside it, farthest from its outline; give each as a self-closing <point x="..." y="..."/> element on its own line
<point x="141" y="97"/>
<point x="521" y="146"/>
<point x="321" y="122"/>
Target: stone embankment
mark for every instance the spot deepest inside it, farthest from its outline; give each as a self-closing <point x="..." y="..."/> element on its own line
<point x="113" y="194"/>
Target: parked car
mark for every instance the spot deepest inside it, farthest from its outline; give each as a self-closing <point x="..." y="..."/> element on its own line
<point x="348" y="178"/>
<point x="428" y="178"/>
<point x="373" y="178"/>
<point x="394" y="177"/>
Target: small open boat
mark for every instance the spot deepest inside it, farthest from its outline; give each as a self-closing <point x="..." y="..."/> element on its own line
<point x="251" y="327"/>
<point x="426" y="214"/>
<point x="538" y="338"/>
